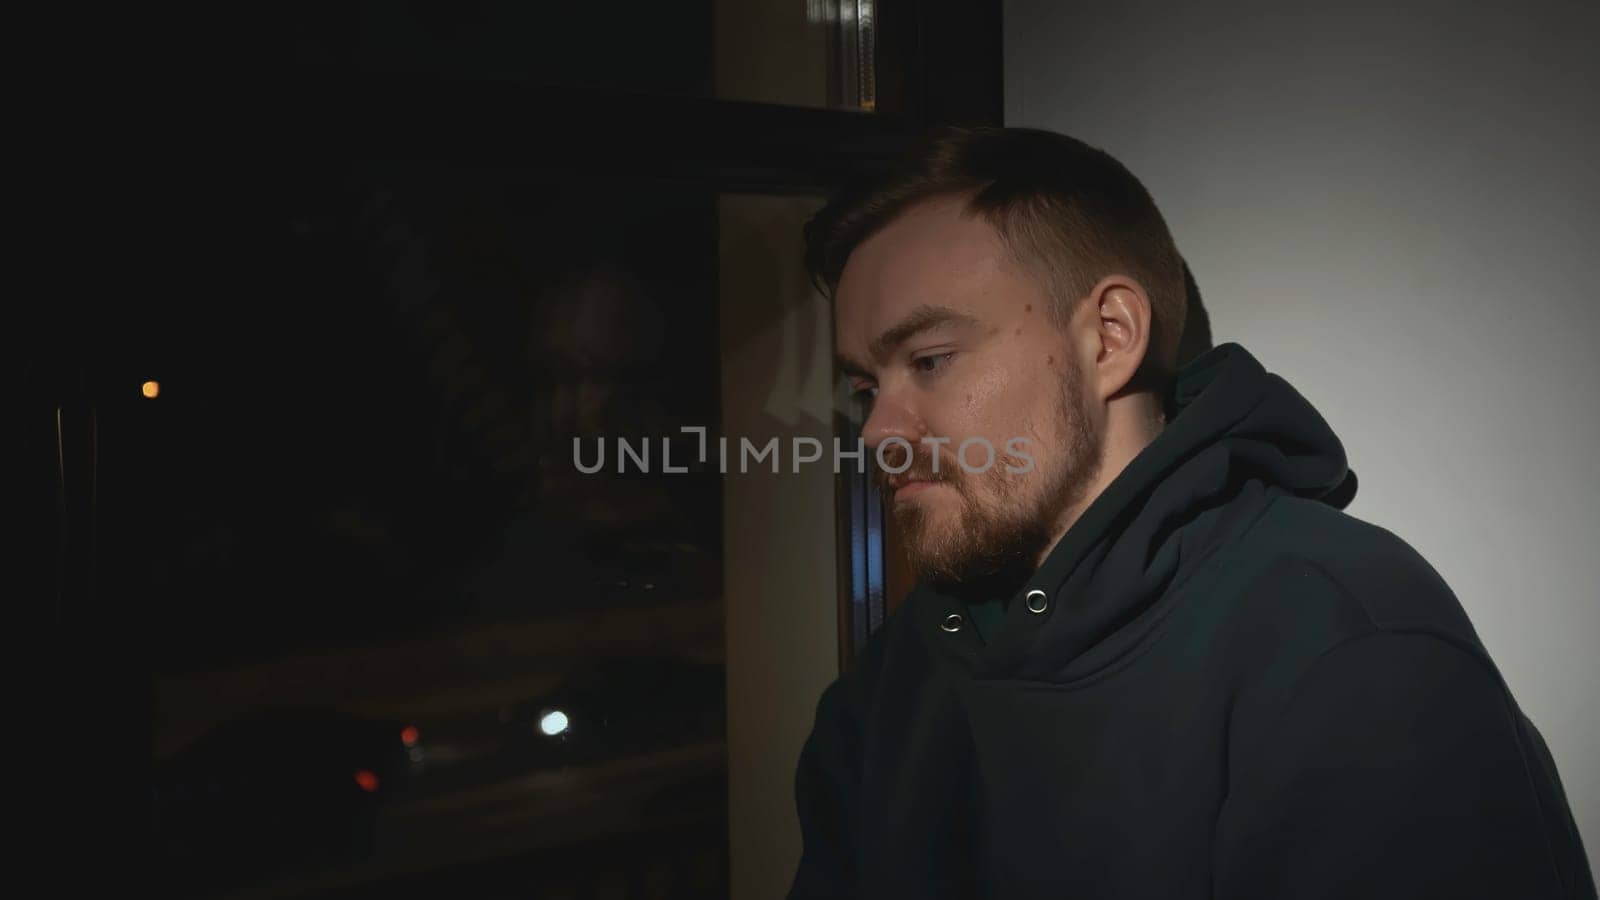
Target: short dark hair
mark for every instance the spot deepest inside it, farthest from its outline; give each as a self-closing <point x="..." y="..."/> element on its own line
<point x="1196" y="322"/>
<point x="1068" y="210"/>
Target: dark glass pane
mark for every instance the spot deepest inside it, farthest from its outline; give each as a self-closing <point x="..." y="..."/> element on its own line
<point x="399" y="631"/>
<point x="817" y="53"/>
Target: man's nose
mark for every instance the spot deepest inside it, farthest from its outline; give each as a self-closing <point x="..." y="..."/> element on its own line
<point x="890" y="419"/>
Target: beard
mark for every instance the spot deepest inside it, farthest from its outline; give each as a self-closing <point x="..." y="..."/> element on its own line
<point x="1006" y="520"/>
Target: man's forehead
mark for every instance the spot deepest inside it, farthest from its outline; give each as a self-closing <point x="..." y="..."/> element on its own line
<point x="931" y="255"/>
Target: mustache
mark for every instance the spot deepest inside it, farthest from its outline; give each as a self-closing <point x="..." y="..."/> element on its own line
<point x="921" y="469"/>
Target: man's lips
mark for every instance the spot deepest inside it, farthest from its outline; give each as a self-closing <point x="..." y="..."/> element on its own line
<point x="906" y="489"/>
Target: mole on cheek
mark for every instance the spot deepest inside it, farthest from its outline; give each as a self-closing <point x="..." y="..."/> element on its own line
<point x="1027" y="307"/>
<point x="1049" y="359"/>
<point x="1019" y="331"/>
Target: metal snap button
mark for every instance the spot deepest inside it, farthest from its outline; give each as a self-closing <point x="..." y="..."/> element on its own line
<point x="1038" y="601"/>
<point x="952" y="622"/>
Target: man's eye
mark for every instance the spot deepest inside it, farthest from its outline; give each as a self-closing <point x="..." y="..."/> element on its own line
<point x="932" y="363"/>
<point x="865" y="392"/>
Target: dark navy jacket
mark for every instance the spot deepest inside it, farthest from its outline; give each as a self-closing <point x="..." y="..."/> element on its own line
<point x="1219" y="684"/>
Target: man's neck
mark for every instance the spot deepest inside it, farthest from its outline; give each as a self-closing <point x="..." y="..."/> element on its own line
<point x="1128" y="431"/>
<point x="994" y="588"/>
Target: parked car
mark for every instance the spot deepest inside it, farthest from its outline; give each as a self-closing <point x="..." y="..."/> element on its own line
<point x="277" y="789"/>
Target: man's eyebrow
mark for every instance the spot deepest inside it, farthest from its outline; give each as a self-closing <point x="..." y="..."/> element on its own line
<point x="923" y="318"/>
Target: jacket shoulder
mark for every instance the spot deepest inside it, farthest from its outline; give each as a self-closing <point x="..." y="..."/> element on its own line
<point x="1337" y="613"/>
<point x="1309" y="566"/>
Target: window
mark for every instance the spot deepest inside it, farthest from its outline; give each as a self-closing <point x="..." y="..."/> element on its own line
<point x="346" y="552"/>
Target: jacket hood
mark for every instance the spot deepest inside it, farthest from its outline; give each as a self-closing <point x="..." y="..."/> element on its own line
<point x="1237" y="432"/>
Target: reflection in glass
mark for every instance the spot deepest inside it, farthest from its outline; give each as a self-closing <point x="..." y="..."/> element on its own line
<point x="425" y="639"/>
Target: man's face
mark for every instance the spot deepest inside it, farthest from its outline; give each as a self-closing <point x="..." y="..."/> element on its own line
<point x="954" y="341"/>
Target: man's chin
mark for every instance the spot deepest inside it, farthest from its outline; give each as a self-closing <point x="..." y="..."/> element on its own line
<point x="929" y="515"/>
<point x="935" y="546"/>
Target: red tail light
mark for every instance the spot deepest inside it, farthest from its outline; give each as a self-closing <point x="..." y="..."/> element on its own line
<point x="367" y="780"/>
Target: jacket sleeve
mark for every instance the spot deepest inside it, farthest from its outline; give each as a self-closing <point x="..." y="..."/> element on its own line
<point x="1400" y="768"/>
<point x="827" y="790"/>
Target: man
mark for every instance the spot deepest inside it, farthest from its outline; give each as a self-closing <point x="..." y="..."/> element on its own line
<point x="1149" y="655"/>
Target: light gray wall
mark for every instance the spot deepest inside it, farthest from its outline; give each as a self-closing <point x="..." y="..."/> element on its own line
<point x="1395" y="206"/>
<point x="780" y="573"/>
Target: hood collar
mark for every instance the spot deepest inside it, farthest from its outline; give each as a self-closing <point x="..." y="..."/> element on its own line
<point x="1234" y="424"/>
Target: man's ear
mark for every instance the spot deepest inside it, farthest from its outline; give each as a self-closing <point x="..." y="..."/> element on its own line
<point x="1122" y="320"/>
